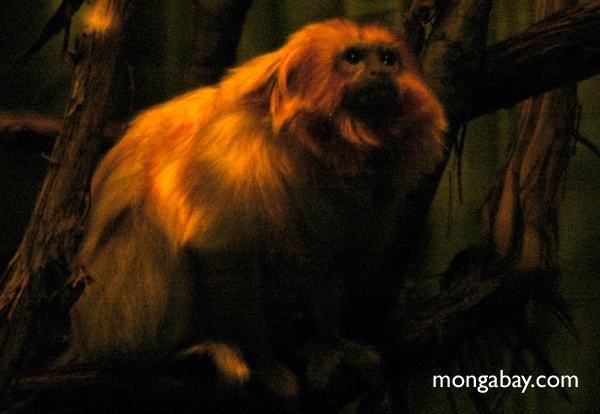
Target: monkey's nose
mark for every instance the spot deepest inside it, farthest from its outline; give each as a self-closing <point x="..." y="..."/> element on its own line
<point x="382" y="73"/>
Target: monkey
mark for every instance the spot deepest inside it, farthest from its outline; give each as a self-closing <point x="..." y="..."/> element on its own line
<point x="243" y="219"/>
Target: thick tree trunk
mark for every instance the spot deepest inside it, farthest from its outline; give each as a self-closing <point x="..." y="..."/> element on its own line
<point x="218" y="25"/>
<point x="517" y="260"/>
<point x="34" y="298"/>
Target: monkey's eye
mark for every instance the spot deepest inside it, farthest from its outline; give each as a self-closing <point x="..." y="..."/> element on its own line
<point x="388" y="57"/>
<point x="353" y="55"/>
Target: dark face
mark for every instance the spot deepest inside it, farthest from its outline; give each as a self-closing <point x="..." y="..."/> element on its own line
<point x="374" y="93"/>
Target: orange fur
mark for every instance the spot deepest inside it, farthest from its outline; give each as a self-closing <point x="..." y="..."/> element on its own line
<point x="221" y="212"/>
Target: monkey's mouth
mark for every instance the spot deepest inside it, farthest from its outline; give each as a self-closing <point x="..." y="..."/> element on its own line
<point x="377" y="99"/>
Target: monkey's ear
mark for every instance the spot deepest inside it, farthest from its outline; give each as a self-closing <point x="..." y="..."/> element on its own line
<point x="285" y="99"/>
<point x="269" y="77"/>
<point x="255" y="77"/>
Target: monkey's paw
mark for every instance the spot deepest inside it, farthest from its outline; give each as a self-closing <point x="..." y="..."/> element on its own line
<point x="268" y="387"/>
<point x="229" y="361"/>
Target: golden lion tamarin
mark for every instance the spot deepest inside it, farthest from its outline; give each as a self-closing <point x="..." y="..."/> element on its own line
<point x="248" y="214"/>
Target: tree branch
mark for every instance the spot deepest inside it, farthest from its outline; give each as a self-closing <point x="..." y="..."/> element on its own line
<point x="562" y="49"/>
<point x="48" y="126"/>
<point x="29" y="121"/>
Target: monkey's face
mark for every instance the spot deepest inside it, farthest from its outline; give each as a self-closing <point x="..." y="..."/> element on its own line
<point x="335" y="85"/>
<point x="335" y="69"/>
<point x="373" y="93"/>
